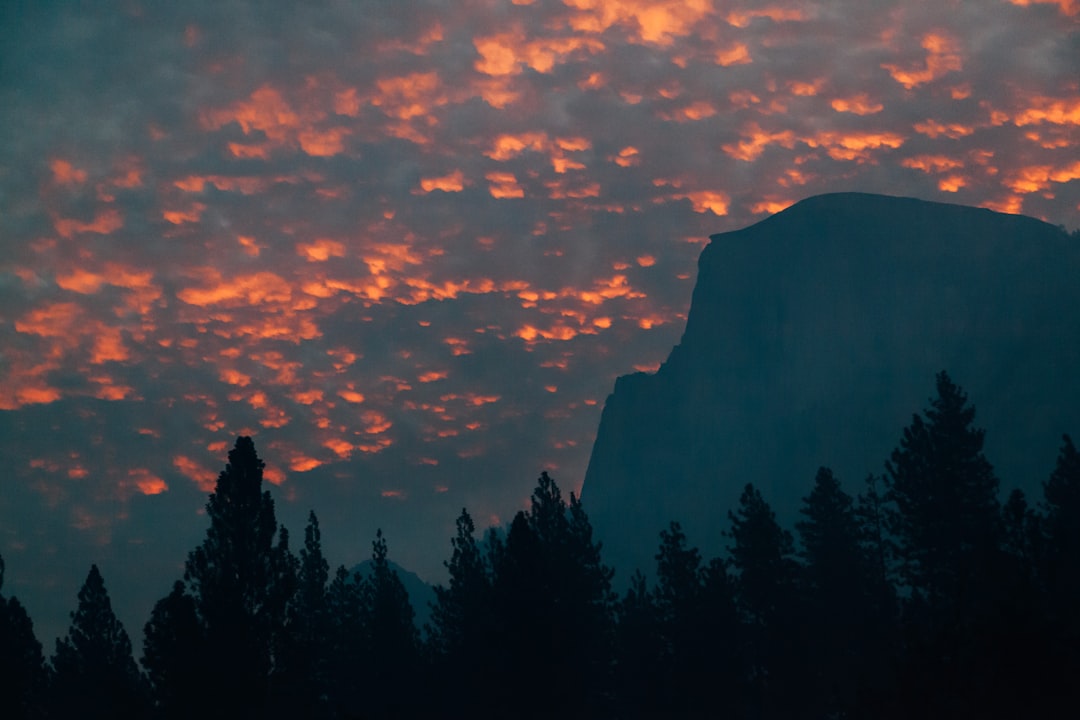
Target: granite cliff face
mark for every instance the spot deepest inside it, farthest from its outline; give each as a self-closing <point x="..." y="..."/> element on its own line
<point x="813" y="336"/>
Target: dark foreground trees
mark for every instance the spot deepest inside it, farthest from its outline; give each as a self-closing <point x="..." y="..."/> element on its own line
<point x="22" y="665"/>
<point x="926" y="600"/>
<point x="94" y="673"/>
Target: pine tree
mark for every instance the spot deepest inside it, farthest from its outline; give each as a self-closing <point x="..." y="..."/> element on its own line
<point x="174" y="652"/>
<point x="22" y="664"/>
<point x="391" y="638"/>
<point x="242" y="580"/>
<point x="763" y="556"/>
<point x="842" y="592"/>
<point x="347" y="648"/>
<point x="93" y="667"/>
<point x="1062" y="526"/>
<point x="302" y="666"/>
<point x="641" y="653"/>
<point x="461" y="637"/>
<point x="698" y="622"/>
<point x="946" y="517"/>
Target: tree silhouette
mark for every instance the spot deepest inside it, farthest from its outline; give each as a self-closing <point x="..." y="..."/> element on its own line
<point x="241" y="581"/>
<point x="1062" y="526"/>
<point x="22" y="664"/>
<point x="302" y="664"/>
<point x="946" y="518"/>
<point x="93" y="669"/>
<point x="174" y="656"/>
<point x="347" y="647"/>
<point x="641" y="653"/>
<point x="842" y="590"/>
<point x="763" y="556"/>
<point x="552" y="595"/>
<point x="391" y="638"/>
<point x="461" y="636"/>
<point x="700" y="673"/>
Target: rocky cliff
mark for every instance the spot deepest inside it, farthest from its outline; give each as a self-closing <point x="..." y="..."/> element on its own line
<point x="813" y="336"/>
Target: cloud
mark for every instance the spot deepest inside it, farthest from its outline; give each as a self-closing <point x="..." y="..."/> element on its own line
<point x="409" y="246"/>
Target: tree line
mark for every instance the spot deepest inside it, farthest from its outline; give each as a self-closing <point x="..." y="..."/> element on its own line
<point x="922" y="595"/>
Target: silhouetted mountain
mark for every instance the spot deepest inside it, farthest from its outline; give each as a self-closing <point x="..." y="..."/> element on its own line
<point x="421" y="594"/>
<point x="814" y="336"/>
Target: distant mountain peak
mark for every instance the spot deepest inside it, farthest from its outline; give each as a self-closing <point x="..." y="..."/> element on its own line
<point x="813" y="336"/>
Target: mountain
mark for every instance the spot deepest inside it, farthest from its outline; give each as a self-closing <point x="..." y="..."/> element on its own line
<point x="813" y="336"/>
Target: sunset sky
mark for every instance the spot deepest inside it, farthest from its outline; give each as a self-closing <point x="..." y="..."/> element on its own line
<point x="408" y="246"/>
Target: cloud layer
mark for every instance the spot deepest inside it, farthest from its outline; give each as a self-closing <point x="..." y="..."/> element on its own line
<point x="408" y="246"/>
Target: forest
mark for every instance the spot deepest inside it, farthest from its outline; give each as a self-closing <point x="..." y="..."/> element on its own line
<point x="921" y="594"/>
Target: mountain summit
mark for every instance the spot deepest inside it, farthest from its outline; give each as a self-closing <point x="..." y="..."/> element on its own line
<point x="813" y="336"/>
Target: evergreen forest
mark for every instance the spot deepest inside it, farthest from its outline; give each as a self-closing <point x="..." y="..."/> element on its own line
<point x="917" y="593"/>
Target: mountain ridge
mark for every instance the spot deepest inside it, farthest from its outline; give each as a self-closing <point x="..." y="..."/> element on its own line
<point x="818" y="330"/>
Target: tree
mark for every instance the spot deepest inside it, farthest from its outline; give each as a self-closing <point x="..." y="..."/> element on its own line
<point x="241" y="577"/>
<point x="391" y="638"/>
<point x="843" y="593"/>
<point x="763" y="556"/>
<point x="695" y="605"/>
<point x="1061" y="506"/>
<point x="641" y="653"/>
<point x="93" y="666"/>
<point x="22" y="664"/>
<point x="302" y="668"/>
<point x="461" y="637"/>
<point x="347" y="646"/>
<point x="552" y="595"/>
<point x="174" y="653"/>
<point x="946" y="517"/>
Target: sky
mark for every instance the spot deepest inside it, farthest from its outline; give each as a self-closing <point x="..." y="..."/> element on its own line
<point x="408" y="246"/>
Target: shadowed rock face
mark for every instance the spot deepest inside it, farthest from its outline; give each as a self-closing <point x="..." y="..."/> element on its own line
<point x="813" y="336"/>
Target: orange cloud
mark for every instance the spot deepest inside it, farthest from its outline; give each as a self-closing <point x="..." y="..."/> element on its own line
<point x="1056" y="111"/>
<point x="776" y="13"/>
<point x="64" y="173"/>
<point x="854" y="145"/>
<point x="934" y="129"/>
<point x="454" y="182"/>
<point x="504" y="185"/>
<point x="204" y="479"/>
<point x="321" y="250"/>
<point x="238" y="290"/>
<point x="103" y="223"/>
<point x="860" y="104"/>
<point x="509" y="52"/>
<point x="146" y="482"/>
<point x="735" y="54"/>
<point x="657" y="22"/>
<point x="931" y="163"/>
<point x="942" y="57"/>
<point x="1065" y="7"/>
<point x="754" y="140"/>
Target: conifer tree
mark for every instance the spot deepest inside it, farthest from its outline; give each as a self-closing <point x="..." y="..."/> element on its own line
<point x="391" y="638"/>
<point x="1062" y="526"/>
<point x="766" y="587"/>
<point x="841" y="591"/>
<point x="93" y="667"/>
<point x="22" y="664"/>
<point x="641" y="653"/>
<point x="174" y="653"/>
<point x="347" y="647"/>
<point x="945" y="515"/>
<point x="461" y="637"/>
<point x="302" y="668"/>
<point x="242" y="577"/>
